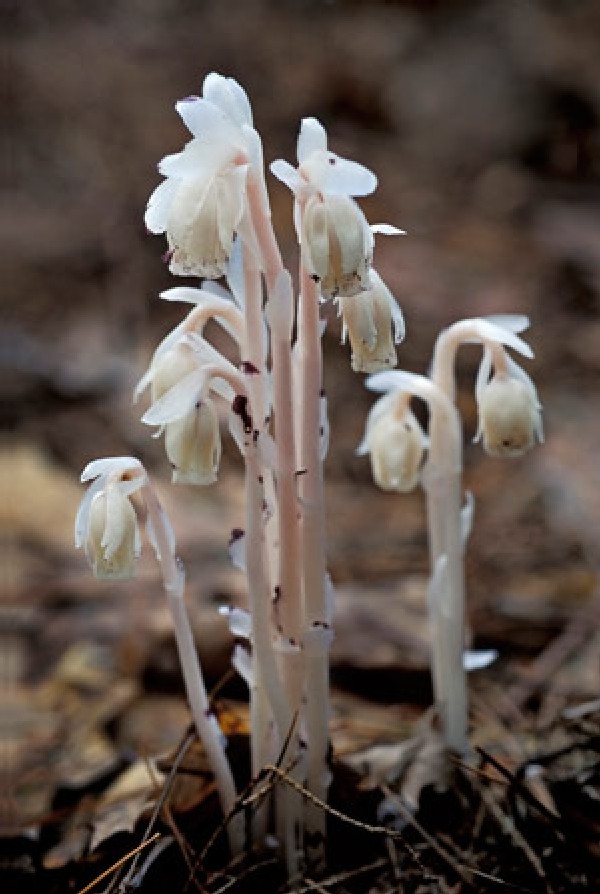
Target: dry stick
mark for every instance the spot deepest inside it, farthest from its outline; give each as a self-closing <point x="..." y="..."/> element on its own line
<point x="206" y="725"/>
<point x="316" y="619"/>
<point x="119" y="863"/>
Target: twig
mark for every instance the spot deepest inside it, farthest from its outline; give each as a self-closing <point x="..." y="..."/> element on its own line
<point x="119" y="863"/>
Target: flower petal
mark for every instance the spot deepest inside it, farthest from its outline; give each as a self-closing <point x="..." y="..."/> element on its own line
<point x="159" y="203"/>
<point x="177" y="401"/>
<point x="384" y="229"/>
<point x="203" y="118"/>
<point x="312" y="138"/>
<point x="330" y="173"/>
<point x="83" y="513"/>
<point x="285" y="172"/>
<point x="113" y="464"/>
<point x="229" y="96"/>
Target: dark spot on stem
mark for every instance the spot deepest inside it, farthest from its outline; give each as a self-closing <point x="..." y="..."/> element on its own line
<point x="240" y="408"/>
<point x="249" y="368"/>
<point x="236" y="534"/>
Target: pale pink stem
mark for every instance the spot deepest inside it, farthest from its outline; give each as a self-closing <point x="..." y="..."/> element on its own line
<point x="206" y="724"/>
<point x="313" y="545"/>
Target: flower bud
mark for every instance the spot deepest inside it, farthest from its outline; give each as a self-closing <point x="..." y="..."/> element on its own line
<point x="509" y="416"/>
<point x="337" y="245"/>
<point x="111" y="539"/>
<point x="374" y="324"/>
<point x="396" y="445"/>
<point x="193" y="445"/>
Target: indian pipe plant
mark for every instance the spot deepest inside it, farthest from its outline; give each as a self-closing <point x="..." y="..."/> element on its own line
<point x="213" y="208"/>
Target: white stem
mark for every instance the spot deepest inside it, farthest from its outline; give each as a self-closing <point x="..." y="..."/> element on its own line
<point x="288" y="521"/>
<point x="206" y="725"/>
<point x="313" y="548"/>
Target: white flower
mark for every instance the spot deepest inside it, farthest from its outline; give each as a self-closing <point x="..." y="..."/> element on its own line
<point x="337" y="245"/>
<point x="336" y="240"/>
<point x="374" y="323"/>
<point x="106" y="524"/>
<point x="201" y="203"/>
<point x="509" y="416"/>
<point x="193" y="445"/>
<point x="181" y="381"/>
<point x="395" y="442"/>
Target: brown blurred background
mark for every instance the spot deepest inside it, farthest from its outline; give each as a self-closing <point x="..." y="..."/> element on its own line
<point x="482" y="121"/>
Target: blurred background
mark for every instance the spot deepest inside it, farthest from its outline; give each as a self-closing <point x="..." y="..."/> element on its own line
<point x="482" y="122"/>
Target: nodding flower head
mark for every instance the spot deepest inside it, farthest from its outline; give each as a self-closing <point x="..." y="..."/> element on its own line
<point x="395" y="443"/>
<point x="201" y="203"/>
<point x="193" y="445"/>
<point x="181" y="381"/>
<point x="374" y="324"/>
<point x="509" y="416"/>
<point x="337" y="245"/>
<point x="106" y="524"/>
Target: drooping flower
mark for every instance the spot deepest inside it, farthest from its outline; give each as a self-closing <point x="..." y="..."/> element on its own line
<point x="395" y="443"/>
<point x="181" y="382"/>
<point x="374" y="324"/>
<point x="106" y="524"/>
<point x="201" y="203"/>
<point x="509" y="416"/>
<point x="335" y="238"/>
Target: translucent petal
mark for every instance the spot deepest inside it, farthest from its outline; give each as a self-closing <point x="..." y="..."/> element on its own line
<point x="285" y="172"/>
<point x="242" y="662"/>
<point x="493" y="332"/>
<point x="330" y="173"/>
<point x="517" y="372"/>
<point x="466" y="517"/>
<point x="384" y="229"/>
<point x="118" y="518"/>
<point x="237" y="549"/>
<point x="204" y="118"/>
<point x="83" y="513"/>
<point x="168" y="342"/>
<point x="159" y="203"/>
<point x="229" y="96"/>
<point x="187" y="294"/>
<point x="477" y="660"/>
<point x="312" y="138"/>
<point x="239" y="621"/>
<point x="254" y="147"/>
<point x="177" y="401"/>
<point x="113" y="464"/>
<point x="513" y="322"/>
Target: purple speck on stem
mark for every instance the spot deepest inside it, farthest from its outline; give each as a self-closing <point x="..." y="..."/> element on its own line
<point x="249" y="368"/>
<point x="236" y="534"/>
<point x="191" y="98"/>
<point x="167" y="256"/>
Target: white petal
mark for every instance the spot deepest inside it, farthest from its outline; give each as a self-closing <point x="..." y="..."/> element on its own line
<point x="384" y="229"/>
<point x="203" y="118"/>
<point x="177" y="401"/>
<point x="229" y="96"/>
<point x="242" y="662"/>
<point x="187" y="294"/>
<point x="113" y="464"/>
<point x="493" y="332"/>
<point x="117" y="519"/>
<point x="213" y="288"/>
<point x="159" y="203"/>
<point x="339" y="176"/>
<point x="254" y="147"/>
<point x="285" y="172"/>
<point x="466" y="517"/>
<point x="168" y="342"/>
<point x="312" y="138"/>
<point x="513" y="322"/>
<point x="237" y="549"/>
<point x="477" y="660"/>
<point x="239" y="620"/>
<point x="83" y="513"/>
